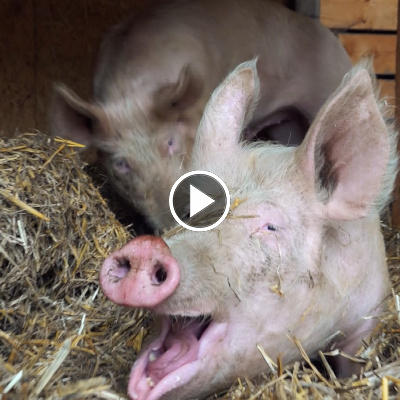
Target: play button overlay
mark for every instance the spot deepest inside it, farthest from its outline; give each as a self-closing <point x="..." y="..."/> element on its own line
<point x="199" y="200"/>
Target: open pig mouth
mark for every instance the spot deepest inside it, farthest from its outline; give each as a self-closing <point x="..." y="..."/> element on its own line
<point x="172" y="359"/>
<point x="145" y="274"/>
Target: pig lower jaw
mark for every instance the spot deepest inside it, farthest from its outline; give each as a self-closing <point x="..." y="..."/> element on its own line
<point x="173" y="359"/>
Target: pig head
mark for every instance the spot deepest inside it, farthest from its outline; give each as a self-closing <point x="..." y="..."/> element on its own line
<point x="157" y="72"/>
<point x="299" y="255"/>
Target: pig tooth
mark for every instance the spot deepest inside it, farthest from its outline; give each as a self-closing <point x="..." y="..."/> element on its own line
<point x="150" y="382"/>
<point x="152" y="356"/>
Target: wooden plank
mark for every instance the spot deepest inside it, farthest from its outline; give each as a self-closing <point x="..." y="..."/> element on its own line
<point x="396" y="192"/>
<point x="359" y="14"/>
<point x="381" y="46"/>
<point x="69" y="34"/>
<point x="17" y="77"/>
<point x="388" y="88"/>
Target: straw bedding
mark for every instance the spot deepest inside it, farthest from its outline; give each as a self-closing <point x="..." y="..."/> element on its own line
<point x="61" y="339"/>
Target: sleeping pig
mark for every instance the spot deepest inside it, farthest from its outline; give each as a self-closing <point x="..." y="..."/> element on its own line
<point x="157" y="71"/>
<point x="299" y="255"/>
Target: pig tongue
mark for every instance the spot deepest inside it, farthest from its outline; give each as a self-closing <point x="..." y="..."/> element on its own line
<point x="179" y="348"/>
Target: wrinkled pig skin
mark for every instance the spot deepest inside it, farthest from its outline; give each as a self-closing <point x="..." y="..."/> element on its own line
<point x="156" y="73"/>
<point x="300" y="255"/>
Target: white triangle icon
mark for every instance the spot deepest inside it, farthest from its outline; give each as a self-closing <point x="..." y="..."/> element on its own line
<point x="198" y="201"/>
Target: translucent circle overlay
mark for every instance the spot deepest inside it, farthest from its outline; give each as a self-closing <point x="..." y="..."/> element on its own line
<point x="205" y="228"/>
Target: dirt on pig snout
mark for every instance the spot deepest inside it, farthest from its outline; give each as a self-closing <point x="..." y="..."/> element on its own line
<point x="61" y="339"/>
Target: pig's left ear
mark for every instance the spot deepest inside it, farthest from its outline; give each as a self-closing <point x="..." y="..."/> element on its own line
<point x="346" y="152"/>
<point x="226" y="113"/>
<point x="178" y="95"/>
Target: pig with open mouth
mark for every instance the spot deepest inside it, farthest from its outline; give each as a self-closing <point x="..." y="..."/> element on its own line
<point x="300" y="254"/>
<point x="157" y="71"/>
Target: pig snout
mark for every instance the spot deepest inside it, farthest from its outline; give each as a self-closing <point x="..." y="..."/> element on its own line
<point x="141" y="274"/>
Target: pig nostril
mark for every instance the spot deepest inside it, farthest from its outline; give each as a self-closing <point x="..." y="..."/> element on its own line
<point x="122" y="269"/>
<point x="160" y="274"/>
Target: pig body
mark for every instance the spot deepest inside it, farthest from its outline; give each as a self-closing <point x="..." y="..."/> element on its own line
<point x="157" y="72"/>
<point x="299" y="256"/>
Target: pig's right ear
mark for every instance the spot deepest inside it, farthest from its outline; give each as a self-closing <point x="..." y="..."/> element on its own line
<point x="72" y="118"/>
<point x="226" y="113"/>
<point x="347" y="152"/>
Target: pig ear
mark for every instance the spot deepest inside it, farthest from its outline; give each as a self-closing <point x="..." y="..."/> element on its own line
<point x="346" y="151"/>
<point x="178" y="95"/>
<point x="72" y="118"/>
<point x="226" y="113"/>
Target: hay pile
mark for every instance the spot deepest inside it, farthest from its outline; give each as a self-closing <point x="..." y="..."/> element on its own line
<point x="61" y="339"/>
<point x="55" y="230"/>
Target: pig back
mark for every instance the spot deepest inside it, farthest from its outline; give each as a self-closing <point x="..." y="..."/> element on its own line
<point x="300" y="61"/>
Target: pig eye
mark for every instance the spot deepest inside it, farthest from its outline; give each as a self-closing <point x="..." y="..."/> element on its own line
<point x="122" y="166"/>
<point x="270" y="228"/>
<point x="266" y="230"/>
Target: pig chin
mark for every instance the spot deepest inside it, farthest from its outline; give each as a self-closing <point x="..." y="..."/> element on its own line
<point x="180" y="353"/>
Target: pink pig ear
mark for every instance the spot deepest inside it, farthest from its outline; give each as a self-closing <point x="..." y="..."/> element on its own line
<point x="73" y="118"/>
<point x="231" y="104"/>
<point x="346" y="151"/>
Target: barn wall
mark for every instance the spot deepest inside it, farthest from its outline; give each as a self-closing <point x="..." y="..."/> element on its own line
<point x="46" y="41"/>
<point x="17" y="65"/>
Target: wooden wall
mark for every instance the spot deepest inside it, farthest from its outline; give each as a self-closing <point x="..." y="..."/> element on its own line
<point x="367" y="28"/>
<point x="46" y="41"/>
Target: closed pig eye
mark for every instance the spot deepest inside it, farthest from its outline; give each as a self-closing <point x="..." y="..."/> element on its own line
<point x="122" y="166"/>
